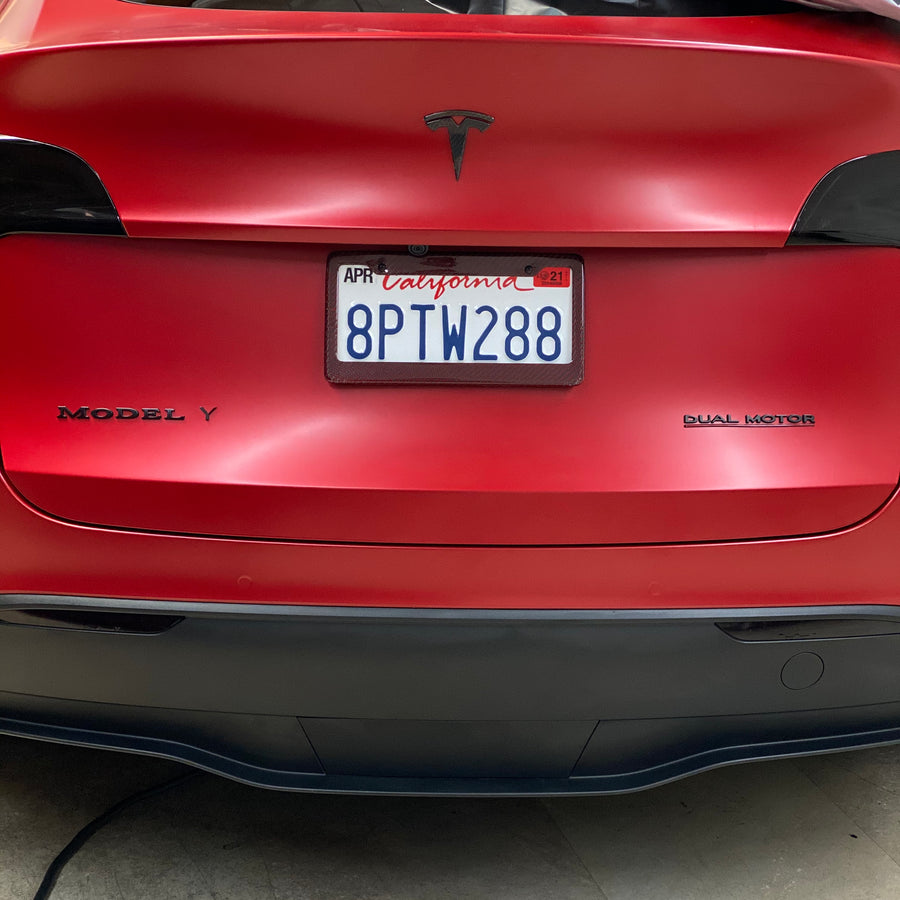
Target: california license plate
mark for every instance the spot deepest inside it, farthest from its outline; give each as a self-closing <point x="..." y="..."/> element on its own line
<point x="395" y="318"/>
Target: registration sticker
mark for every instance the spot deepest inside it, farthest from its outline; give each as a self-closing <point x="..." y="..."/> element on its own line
<point x="554" y="276"/>
<point x="503" y="320"/>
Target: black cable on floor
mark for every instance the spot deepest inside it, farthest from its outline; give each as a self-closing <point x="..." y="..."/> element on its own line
<point x="89" y="830"/>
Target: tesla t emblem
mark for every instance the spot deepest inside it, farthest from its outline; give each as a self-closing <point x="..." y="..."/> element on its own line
<point x="458" y="122"/>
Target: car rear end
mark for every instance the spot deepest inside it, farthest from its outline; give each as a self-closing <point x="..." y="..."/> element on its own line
<point x="435" y="403"/>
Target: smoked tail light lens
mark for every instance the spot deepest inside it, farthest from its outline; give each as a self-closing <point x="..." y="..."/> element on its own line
<point x="46" y="188"/>
<point x="858" y="202"/>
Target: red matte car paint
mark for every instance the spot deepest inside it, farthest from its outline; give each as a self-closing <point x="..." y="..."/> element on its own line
<point x="670" y="133"/>
<point x="671" y="335"/>
<point x="242" y="148"/>
<point x="608" y="132"/>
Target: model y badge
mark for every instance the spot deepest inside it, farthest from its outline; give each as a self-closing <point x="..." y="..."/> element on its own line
<point x="458" y="122"/>
<point x="128" y="413"/>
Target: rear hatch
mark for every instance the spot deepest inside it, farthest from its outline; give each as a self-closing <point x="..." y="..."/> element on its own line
<point x="175" y="380"/>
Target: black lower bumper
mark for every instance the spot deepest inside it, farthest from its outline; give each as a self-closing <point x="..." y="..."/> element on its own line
<point x="448" y="701"/>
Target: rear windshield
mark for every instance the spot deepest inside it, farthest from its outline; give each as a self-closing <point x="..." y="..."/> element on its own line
<point x="681" y="8"/>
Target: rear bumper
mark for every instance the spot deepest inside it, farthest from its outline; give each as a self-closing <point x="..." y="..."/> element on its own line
<point x="449" y="701"/>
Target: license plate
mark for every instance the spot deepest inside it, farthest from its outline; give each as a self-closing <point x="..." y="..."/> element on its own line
<point x="395" y="318"/>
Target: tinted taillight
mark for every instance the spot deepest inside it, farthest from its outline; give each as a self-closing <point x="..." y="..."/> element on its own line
<point x="47" y="188"/>
<point x="856" y="203"/>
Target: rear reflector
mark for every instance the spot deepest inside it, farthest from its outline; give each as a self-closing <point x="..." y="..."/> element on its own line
<point x="91" y="620"/>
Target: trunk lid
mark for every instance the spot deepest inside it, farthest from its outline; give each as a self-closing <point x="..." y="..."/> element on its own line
<point x="241" y="152"/>
<point x="773" y="336"/>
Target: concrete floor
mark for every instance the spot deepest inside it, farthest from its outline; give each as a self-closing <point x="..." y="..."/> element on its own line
<point x="822" y="828"/>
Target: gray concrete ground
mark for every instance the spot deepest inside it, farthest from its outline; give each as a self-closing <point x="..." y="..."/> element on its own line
<point x="822" y="828"/>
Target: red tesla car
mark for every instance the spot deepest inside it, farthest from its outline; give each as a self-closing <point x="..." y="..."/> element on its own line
<point x="412" y="397"/>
